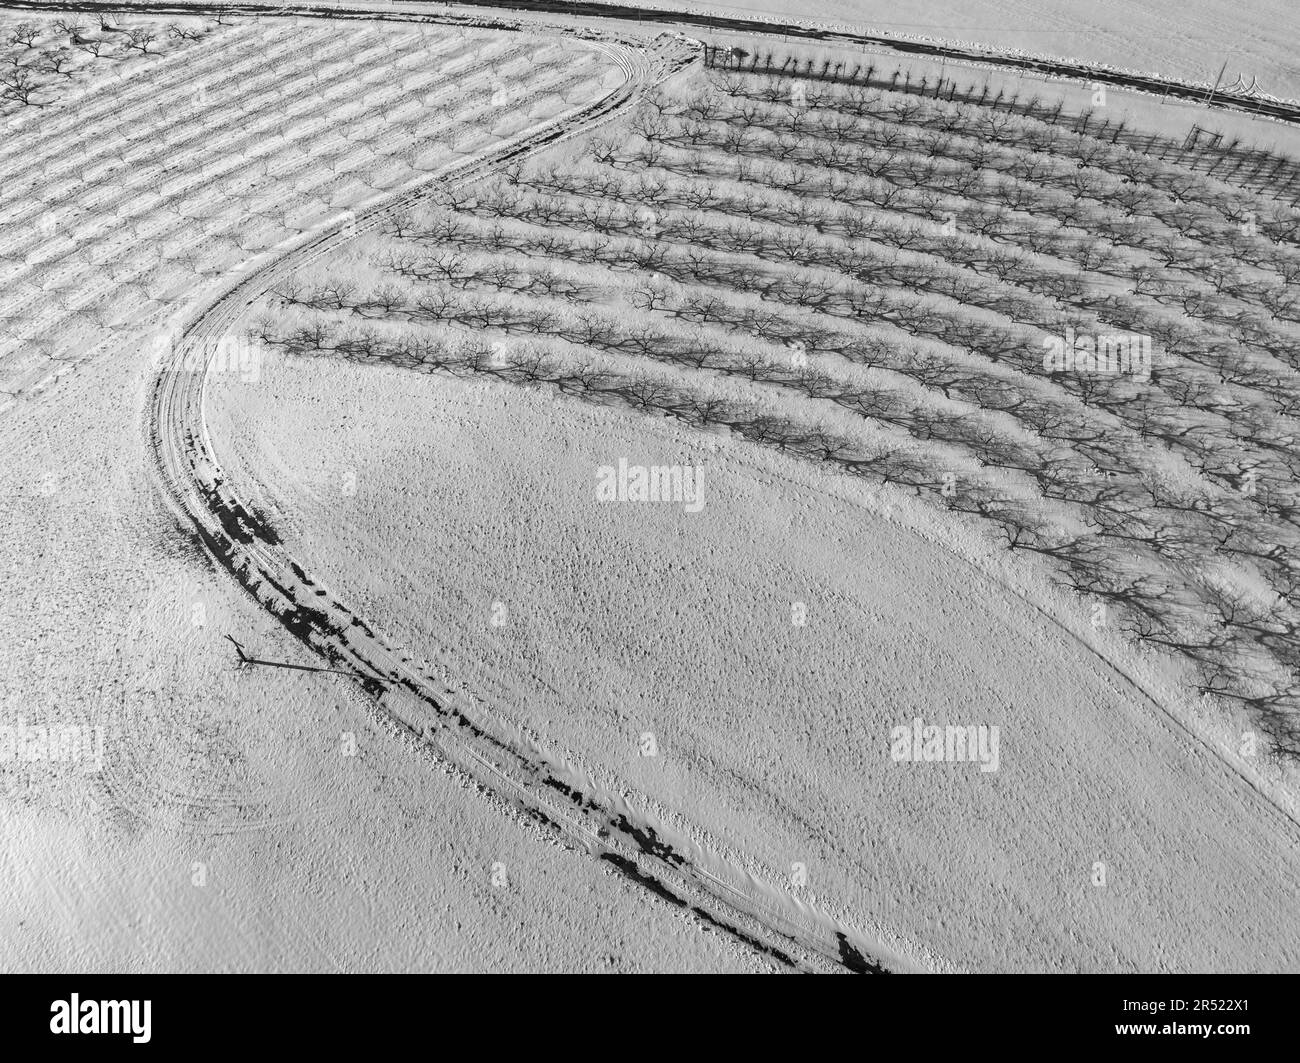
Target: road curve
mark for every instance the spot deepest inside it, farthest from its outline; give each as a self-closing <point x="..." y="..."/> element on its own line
<point x="489" y="752"/>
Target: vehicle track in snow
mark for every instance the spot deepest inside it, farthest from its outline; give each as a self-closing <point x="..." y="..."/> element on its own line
<point x="484" y="750"/>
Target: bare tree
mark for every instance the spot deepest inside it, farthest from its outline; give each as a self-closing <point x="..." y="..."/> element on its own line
<point x="95" y="46"/>
<point x="57" y="63"/>
<point x="25" y="34"/>
<point x="18" y="85"/>
<point x="177" y="32"/>
<point x="140" y="39"/>
<point x="388" y="297"/>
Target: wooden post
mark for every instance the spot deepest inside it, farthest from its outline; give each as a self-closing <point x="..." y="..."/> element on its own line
<point x="1210" y="95"/>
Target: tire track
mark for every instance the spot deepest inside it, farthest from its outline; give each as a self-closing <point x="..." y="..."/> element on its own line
<point x="488" y="751"/>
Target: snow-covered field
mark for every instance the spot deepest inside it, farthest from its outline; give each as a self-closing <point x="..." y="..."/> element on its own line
<point x="742" y="673"/>
<point x="127" y="191"/>
<point x="774" y="739"/>
<point x="1194" y="40"/>
<point x="229" y="823"/>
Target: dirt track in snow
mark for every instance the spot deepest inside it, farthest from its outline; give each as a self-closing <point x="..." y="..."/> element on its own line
<point x="495" y="756"/>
